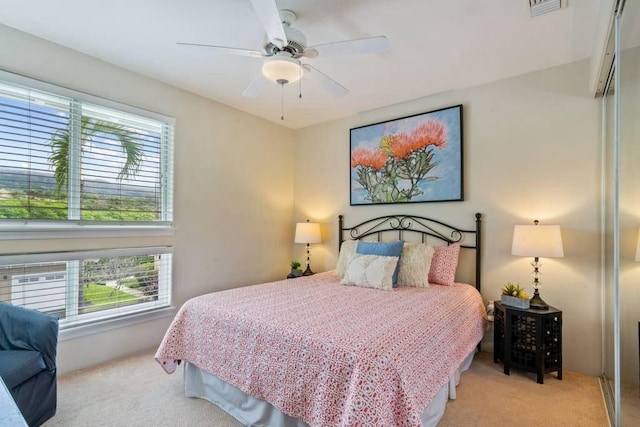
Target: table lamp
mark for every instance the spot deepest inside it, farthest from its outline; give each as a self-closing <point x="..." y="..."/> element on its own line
<point x="537" y="241"/>
<point x="307" y="232"/>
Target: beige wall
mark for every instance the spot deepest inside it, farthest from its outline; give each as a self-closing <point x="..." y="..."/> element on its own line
<point x="233" y="189"/>
<point x="531" y="151"/>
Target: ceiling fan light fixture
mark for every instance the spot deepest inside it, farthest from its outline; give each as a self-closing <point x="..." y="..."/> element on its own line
<point x="281" y="68"/>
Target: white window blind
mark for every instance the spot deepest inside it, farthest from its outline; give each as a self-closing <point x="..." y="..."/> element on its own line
<point x="29" y="120"/>
<point x="69" y="160"/>
<point x="88" y="286"/>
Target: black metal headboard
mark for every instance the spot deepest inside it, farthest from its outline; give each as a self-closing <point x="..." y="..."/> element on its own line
<point x="422" y="226"/>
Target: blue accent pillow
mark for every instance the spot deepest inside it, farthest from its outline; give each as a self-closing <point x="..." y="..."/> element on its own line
<point x="384" y="249"/>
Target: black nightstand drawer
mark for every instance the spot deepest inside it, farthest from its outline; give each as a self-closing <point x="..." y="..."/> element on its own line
<point x="528" y="339"/>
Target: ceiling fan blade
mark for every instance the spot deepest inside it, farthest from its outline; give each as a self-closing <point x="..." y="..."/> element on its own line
<point x="267" y="11"/>
<point x="226" y="50"/>
<point x="350" y="47"/>
<point x="327" y="83"/>
<point x="256" y="87"/>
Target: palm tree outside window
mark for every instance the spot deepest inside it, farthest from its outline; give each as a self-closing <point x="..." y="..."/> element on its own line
<point x="65" y="159"/>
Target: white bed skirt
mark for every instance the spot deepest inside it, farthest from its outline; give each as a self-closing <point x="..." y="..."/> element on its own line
<point x="258" y="413"/>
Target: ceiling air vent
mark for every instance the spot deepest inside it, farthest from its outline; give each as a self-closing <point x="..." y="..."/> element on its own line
<point x="539" y="7"/>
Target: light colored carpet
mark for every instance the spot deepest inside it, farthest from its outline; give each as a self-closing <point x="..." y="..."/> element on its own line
<point x="131" y="392"/>
<point x="630" y="405"/>
<point x="488" y="397"/>
<point x="135" y="391"/>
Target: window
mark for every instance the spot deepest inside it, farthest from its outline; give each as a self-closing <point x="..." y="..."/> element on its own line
<point x="69" y="160"/>
<point x="88" y="286"/>
<point x="73" y="165"/>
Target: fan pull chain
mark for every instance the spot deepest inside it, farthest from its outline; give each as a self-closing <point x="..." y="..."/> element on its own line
<point x="281" y="101"/>
<point x="300" y="83"/>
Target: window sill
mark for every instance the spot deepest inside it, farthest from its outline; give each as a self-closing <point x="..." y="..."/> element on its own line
<point x="107" y="325"/>
<point x="32" y="232"/>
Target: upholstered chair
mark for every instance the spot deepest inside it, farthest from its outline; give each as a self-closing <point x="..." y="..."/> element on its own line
<point x="28" y="344"/>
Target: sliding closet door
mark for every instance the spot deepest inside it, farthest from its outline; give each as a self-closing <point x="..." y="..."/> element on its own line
<point x="629" y="212"/>
<point x="609" y="290"/>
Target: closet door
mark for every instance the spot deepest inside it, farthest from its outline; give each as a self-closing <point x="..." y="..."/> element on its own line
<point x="609" y="215"/>
<point x="629" y="210"/>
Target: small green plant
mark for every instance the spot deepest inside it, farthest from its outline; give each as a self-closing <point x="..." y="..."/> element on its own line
<point x="295" y="265"/>
<point x="515" y="290"/>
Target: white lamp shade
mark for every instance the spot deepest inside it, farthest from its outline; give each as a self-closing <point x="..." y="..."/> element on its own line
<point x="307" y="232"/>
<point x="638" y="249"/>
<point x="282" y="68"/>
<point x="537" y="241"/>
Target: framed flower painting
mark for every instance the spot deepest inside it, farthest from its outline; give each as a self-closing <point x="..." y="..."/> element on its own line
<point x="413" y="159"/>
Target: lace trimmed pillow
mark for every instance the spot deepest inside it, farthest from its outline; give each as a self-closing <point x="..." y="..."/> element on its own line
<point x="414" y="265"/>
<point x="347" y="250"/>
<point x="370" y="271"/>
<point x="382" y="248"/>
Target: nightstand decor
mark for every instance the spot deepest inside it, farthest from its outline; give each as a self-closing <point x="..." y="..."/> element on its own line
<point x="514" y="295"/>
<point x="537" y="241"/>
<point x="295" y="270"/>
<point x="514" y="301"/>
<point x="307" y="232"/>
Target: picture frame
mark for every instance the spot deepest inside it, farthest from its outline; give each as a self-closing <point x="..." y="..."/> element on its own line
<point x="412" y="159"/>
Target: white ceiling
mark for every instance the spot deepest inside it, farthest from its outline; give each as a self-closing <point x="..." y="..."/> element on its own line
<point x="436" y="45"/>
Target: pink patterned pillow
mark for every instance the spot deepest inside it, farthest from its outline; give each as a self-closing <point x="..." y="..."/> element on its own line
<point x="444" y="264"/>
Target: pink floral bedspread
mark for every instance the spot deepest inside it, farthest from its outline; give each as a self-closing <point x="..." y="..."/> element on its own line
<point x="328" y="354"/>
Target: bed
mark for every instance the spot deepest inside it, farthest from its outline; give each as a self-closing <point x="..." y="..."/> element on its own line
<point x="312" y="351"/>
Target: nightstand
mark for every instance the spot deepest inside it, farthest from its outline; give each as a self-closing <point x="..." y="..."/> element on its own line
<point x="528" y="339"/>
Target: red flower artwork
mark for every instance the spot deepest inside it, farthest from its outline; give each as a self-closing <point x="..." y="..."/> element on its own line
<point x="371" y="158"/>
<point x="393" y="171"/>
<point x="426" y="134"/>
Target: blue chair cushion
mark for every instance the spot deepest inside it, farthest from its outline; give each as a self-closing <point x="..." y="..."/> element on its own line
<point x="382" y="248"/>
<point x="17" y="366"/>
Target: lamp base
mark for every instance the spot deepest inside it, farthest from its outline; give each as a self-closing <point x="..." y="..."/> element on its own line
<point x="308" y="271"/>
<point x="538" y="303"/>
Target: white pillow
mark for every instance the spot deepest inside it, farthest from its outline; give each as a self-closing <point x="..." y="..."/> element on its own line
<point x="414" y="265"/>
<point x="370" y="271"/>
<point x="347" y="250"/>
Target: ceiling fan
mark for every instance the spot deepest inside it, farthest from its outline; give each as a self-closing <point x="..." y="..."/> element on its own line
<point x="286" y="46"/>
